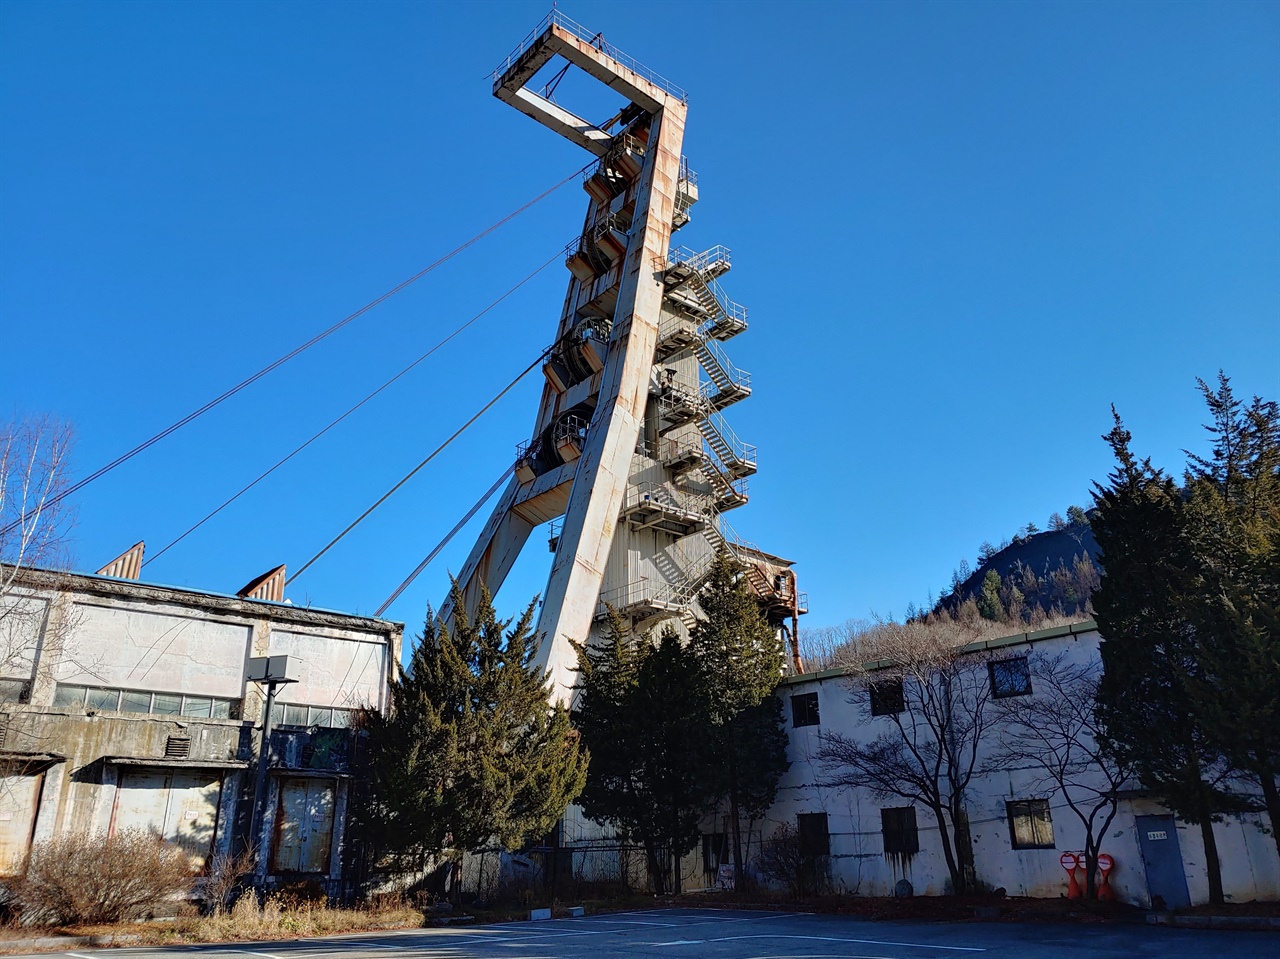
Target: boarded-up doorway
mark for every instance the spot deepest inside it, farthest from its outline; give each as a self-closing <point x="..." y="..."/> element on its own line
<point x="19" y="800"/>
<point x="304" y="826"/>
<point x="180" y="806"/>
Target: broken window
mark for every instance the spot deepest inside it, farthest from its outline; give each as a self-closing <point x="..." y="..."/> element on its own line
<point x="898" y="827"/>
<point x="1010" y="677"/>
<point x="887" y="698"/>
<point x="1030" y="825"/>
<point x="66" y="695"/>
<point x="804" y="710"/>
<point x="107" y="700"/>
<point x="811" y="828"/>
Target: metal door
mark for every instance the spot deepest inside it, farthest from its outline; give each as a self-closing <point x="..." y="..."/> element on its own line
<point x="178" y="806"/>
<point x="1162" y="859"/>
<point x="192" y="813"/>
<point x="142" y="798"/>
<point x="304" y="826"/>
<point x="19" y="797"/>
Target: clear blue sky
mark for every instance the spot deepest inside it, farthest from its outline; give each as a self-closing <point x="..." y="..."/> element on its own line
<point x="962" y="230"/>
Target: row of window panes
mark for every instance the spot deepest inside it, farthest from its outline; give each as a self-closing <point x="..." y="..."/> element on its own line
<point x="1030" y="826"/>
<point x="141" y="701"/>
<point x="288" y="714"/>
<point x="1009" y="677"/>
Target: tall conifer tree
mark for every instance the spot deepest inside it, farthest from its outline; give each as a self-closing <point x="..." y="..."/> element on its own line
<point x="472" y="751"/>
<point x="642" y="713"/>
<point x="740" y="660"/>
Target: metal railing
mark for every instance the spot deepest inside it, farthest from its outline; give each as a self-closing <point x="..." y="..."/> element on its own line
<point x="687" y="175"/>
<point x="659" y="494"/>
<point x="740" y="451"/>
<point x="597" y="40"/>
<point x="668" y="448"/>
<point x="678" y="255"/>
<point x="737" y="376"/>
<point x="571" y="427"/>
<point x="736" y="312"/>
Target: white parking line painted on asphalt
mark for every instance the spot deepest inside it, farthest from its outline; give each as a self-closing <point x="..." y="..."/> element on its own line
<point x="861" y="942"/>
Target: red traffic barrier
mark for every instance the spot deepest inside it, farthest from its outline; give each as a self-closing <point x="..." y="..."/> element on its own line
<point x="1070" y="862"/>
<point x="1105" y="865"/>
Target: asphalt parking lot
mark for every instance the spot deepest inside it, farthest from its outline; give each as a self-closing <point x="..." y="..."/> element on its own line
<point x="738" y="934"/>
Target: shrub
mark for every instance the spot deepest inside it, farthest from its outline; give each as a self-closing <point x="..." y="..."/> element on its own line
<point x="226" y="874"/>
<point x="779" y="860"/>
<point x="85" y="878"/>
<point x="782" y="862"/>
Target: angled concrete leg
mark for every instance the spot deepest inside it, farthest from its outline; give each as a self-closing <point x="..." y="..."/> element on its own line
<point x="600" y="482"/>
<point x="494" y="553"/>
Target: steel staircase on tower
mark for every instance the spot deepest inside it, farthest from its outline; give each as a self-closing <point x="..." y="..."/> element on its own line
<point x="730" y="382"/>
<point x="738" y="458"/>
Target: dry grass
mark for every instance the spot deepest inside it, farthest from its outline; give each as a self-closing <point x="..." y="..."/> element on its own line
<point x="858" y="641"/>
<point x="279" y="918"/>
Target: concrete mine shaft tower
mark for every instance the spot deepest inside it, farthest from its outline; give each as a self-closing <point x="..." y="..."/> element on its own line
<point x="630" y="445"/>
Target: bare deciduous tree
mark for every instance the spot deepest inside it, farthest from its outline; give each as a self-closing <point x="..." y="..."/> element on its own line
<point x="34" y="518"/>
<point x="930" y="751"/>
<point x="34" y="525"/>
<point x="1054" y="732"/>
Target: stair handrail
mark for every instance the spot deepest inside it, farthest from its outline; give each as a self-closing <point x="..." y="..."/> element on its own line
<point x="734" y="311"/>
<point x="743" y="452"/>
<point x="736" y="374"/>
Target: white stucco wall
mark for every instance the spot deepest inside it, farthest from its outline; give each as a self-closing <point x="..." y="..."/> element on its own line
<point x="334" y="669"/>
<point x="1250" y="867"/>
<point x="134" y="646"/>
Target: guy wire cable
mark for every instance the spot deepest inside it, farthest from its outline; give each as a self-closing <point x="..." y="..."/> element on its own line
<point x="335" y="422"/>
<point x="146" y="444"/>
<point x="408" y="476"/>
<point x="443" y="543"/>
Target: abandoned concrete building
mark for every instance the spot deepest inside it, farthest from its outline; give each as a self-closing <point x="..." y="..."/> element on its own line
<point x="1020" y="828"/>
<point x="126" y="705"/>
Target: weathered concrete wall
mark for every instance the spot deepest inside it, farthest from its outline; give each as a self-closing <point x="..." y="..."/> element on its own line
<point x="192" y="777"/>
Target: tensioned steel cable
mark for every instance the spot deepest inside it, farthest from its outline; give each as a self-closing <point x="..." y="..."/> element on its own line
<point x="434" y="453"/>
<point x="335" y="422"/>
<point x="147" y="444"/>
<point x="408" y="581"/>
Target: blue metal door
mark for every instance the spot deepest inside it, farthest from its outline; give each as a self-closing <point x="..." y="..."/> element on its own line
<point x="1162" y="859"/>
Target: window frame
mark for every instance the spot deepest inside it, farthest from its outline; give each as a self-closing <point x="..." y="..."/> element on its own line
<point x="876" y="696"/>
<point x="812" y="713"/>
<point x="805" y="837"/>
<point x="181" y="703"/>
<point x="1005" y="665"/>
<point x="909" y="843"/>
<point x="1028" y="810"/>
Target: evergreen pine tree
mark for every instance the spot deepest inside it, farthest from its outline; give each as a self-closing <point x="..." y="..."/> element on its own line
<point x="740" y="658"/>
<point x="642" y="713"/>
<point x="472" y="751"/>
<point x="1233" y="513"/>
<point x="1148" y="648"/>
<point x="989" y="604"/>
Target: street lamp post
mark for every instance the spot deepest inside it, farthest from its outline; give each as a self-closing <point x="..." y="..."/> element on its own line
<point x="271" y="672"/>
